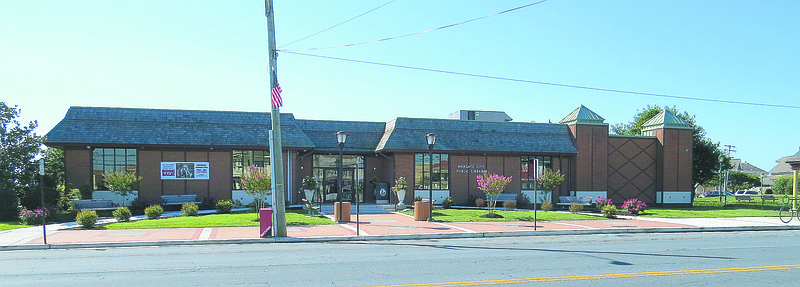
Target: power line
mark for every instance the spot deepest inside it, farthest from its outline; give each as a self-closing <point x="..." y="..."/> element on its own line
<point x="548" y="83"/>
<point x="334" y="26"/>
<point x="420" y="32"/>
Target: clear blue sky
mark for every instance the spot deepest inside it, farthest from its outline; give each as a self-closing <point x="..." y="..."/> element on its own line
<point x="211" y="55"/>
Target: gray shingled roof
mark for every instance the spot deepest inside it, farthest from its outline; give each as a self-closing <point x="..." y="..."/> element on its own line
<point x="458" y="135"/>
<point x="361" y="136"/>
<point x="98" y="125"/>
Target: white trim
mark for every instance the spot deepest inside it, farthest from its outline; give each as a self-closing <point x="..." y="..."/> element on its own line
<point x="541" y="195"/>
<point x="438" y="195"/>
<point x="674" y="197"/>
<point x="118" y="200"/>
<point x="593" y="194"/>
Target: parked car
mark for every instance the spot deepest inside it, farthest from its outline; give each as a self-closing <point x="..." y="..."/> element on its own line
<point x="745" y="192"/>
<point x="715" y="194"/>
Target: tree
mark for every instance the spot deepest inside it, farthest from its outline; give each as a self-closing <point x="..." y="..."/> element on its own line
<point x="740" y="180"/>
<point x="783" y="185"/>
<point x="705" y="155"/>
<point x="18" y="172"/>
<point x="493" y="185"/>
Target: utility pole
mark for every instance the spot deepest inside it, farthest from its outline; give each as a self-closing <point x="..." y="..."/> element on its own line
<point x="276" y="146"/>
<point x="727" y="171"/>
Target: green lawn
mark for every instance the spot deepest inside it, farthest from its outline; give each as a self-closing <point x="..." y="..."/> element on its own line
<point x="12" y="225"/>
<point x="713" y="207"/>
<point x="217" y="220"/>
<point x="473" y="215"/>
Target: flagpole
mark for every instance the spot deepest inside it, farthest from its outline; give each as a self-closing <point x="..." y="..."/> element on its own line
<point x="276" y="147"/>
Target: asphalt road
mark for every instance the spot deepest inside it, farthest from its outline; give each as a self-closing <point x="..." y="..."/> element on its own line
<point x="765" y="258"/>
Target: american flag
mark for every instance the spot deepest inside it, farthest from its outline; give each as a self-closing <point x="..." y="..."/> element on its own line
<point x="277" y="102"/>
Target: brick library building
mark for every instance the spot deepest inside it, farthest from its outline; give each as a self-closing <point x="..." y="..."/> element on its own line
<point x="205" y="153"/>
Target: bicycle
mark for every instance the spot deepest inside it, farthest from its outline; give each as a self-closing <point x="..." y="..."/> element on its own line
<point x="786" y="213"/>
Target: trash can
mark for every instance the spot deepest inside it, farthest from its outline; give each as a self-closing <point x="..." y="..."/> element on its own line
<point x="382" y="192"/>
<point x="341" y="214"/>
<point x="265" y="221"/>
<point x="422" y="210"/>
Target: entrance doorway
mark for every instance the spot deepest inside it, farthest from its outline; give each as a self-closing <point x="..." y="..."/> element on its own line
<point x="326" y="170"/>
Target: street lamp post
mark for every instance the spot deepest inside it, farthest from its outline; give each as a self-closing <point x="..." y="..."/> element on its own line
<point x="761" y="189"/>
<point x="341" y="137"/>
<point x="431" y="141"/>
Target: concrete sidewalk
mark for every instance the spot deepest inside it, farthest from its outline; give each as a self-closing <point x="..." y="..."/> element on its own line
<point x="371" y="227"/>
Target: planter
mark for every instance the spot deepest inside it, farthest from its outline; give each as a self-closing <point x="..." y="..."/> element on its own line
<point x="422" y="210"/>
<point x="401" y="195"/>
<point x="309" y="194"/>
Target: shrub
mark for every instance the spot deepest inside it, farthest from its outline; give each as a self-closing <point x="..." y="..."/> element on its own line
<point x="546" y="205"/>
<point x="418" y="198"/>
<point x="86" y="218"/>
<point x="523" y="201"/>
<point x="510" y="204"/>
<point x="154" y="211"/>
<point x="609" y="211"/>
<point x="122" y="214"/>
<point x="602" y="201"/>
<point x="139" y="205"/>
<point x="575" y="207"/>
<point x="634" y="205"/>
<point x="208" y="203"/>
<point x="66" y="199"/>
<point x="9" y="204"/>
<point x="86" y="190"/>
<point x="33" y="217"/>
<point x="448" y="202"/>
<point x="224" y="206"/>
<point x="189" y="209"/>
<point x="479" y="202"/>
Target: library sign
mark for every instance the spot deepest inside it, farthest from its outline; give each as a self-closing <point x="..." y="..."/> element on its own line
<point x="470" y="168"/>
<point x="184" y="170"/>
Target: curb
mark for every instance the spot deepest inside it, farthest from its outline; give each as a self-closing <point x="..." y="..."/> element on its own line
<point x="394" y="237"/>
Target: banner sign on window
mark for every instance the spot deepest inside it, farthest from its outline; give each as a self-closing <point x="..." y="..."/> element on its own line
<point x="184" y="170"/>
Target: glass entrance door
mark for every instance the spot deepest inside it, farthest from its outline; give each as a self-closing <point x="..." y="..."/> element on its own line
<point x="330" y="182"/>
<point x="326" y="170"/>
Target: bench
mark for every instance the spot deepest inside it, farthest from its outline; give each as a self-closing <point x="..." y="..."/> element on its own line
<point x="569" y="200"/>
<point x="94" y="204"/>
<point x="764" y="198"/>
<point x="743" y="197"/>
<point x="312" y="210"/>
<point x="179" y="199"/>
<point x="503" y="197"/>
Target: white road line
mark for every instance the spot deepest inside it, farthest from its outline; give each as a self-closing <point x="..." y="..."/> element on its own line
<point x="456" y="227"/>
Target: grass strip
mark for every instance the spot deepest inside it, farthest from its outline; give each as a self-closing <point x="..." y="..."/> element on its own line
<point x="217" y="220"/>
<point x="12" y="225"/>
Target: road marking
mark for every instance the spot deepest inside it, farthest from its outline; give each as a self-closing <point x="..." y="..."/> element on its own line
<point x="605" y="276"/>
<point x="576" y="225"/>
<point x="456" y="227"/>
<point x="205" y="234"/>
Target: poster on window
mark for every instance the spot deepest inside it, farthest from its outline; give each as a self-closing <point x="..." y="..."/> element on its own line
<point x="184" y="170"/>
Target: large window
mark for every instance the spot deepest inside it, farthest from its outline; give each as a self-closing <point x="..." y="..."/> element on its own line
<point x="440" y="174"/>
<point x="108" y="159"/>
<point x="531" y="171"/>
<point x="244" y="159"/>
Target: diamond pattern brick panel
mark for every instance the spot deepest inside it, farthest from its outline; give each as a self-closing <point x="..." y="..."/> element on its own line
<point x="632" y="169"/>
